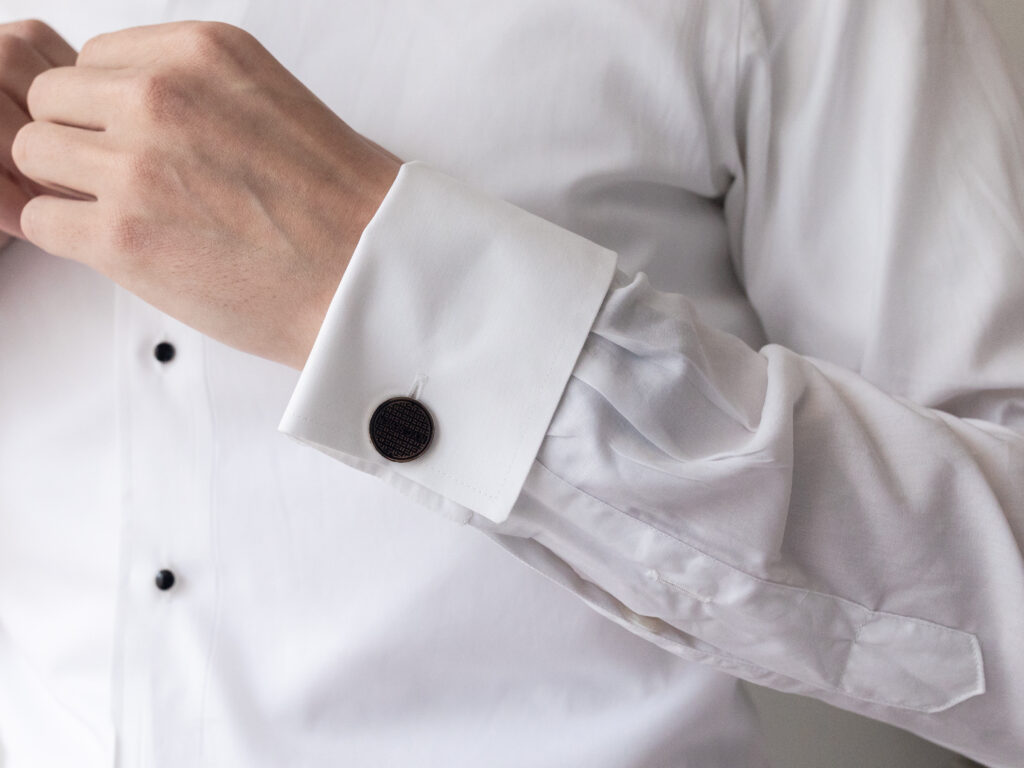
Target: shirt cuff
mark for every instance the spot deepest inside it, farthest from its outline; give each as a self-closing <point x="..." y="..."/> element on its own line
<point x="477" y="308"/>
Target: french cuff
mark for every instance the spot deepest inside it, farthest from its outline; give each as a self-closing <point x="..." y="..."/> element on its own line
<point x="472" y="306"/>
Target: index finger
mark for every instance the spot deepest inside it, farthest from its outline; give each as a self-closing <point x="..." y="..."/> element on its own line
<point x="83" y="97"/>
<point x="140" y="46"/>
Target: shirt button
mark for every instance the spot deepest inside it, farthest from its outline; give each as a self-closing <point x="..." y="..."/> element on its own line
<point x="164" y="352"/>
<point x="401" y="429"/>
<point x="164" y="580"/>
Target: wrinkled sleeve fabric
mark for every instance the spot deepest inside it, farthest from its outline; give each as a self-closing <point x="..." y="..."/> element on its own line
<point x="838" y="514"/>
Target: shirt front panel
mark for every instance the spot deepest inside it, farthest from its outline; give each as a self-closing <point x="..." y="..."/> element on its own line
<point x="317" y="617"/>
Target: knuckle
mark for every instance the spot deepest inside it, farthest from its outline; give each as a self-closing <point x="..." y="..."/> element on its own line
<point x="31" y="223"/>
<point x="145" y="170"/>
<point x="92" y="48"/>
<point x="206" y="39"/>
<point x="161" y="96"/>
<point x="129" y="235"/>
<point x="36" y="94"/>
<point x="22" y="148"/>
<point x="89" y="47"/>
<point x="209" y="40"/>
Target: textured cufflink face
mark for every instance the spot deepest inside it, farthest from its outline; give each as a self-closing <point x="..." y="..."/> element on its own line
<point x="401" y="429"/>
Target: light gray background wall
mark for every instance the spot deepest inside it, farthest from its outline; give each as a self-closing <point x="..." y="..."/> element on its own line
<point x="803" y="733"/>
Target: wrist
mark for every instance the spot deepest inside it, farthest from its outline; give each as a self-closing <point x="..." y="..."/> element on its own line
<point x="376" y="173"/>
<point x="376" y="176"/>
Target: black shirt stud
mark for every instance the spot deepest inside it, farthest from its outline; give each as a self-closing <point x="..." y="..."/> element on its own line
<point x="164" y="352"/>
<point x="401" y="429"/>
<point x="164" y="580"/>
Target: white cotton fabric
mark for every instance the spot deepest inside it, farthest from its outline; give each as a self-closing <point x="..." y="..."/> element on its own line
<point x="488" y="419"/>
<point x="837" y="509"/>
<point x="782" y="444"/>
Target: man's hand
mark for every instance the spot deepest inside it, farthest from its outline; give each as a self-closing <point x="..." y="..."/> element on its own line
<point x="26" y="49"/>
<point x="225" y="193"/>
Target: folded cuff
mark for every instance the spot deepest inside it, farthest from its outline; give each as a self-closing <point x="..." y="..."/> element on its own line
<point x="476" y="308"/>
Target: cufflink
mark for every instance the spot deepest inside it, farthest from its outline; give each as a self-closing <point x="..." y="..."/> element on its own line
<point x="401" y="429"/>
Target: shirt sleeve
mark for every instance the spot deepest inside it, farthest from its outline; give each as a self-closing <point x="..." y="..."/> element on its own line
<point x="838" y="514"/>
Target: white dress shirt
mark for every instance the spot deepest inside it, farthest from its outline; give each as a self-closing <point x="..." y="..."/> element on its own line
<point x="718" y="308"/>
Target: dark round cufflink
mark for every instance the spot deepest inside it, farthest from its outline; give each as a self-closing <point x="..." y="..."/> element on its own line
<point x="401" y="429"/>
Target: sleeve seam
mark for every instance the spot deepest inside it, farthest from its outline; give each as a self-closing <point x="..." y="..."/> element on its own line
<point x="781" y="585"/>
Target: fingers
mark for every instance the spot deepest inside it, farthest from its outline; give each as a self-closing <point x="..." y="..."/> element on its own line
<point x="59" y="226"/>
<point x="27" y="48"/>
<point x="45" y="40"/>
<point x="78" y="96"/>
<point x="140" y="46"/>
<point x="12" y="199"/>
<point x="135" y="46"/>
<point x="19" y="65"/>
<point x="61" y="157"/>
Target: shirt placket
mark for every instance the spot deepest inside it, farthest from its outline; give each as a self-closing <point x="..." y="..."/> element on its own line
<point x="167" y="586"/>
